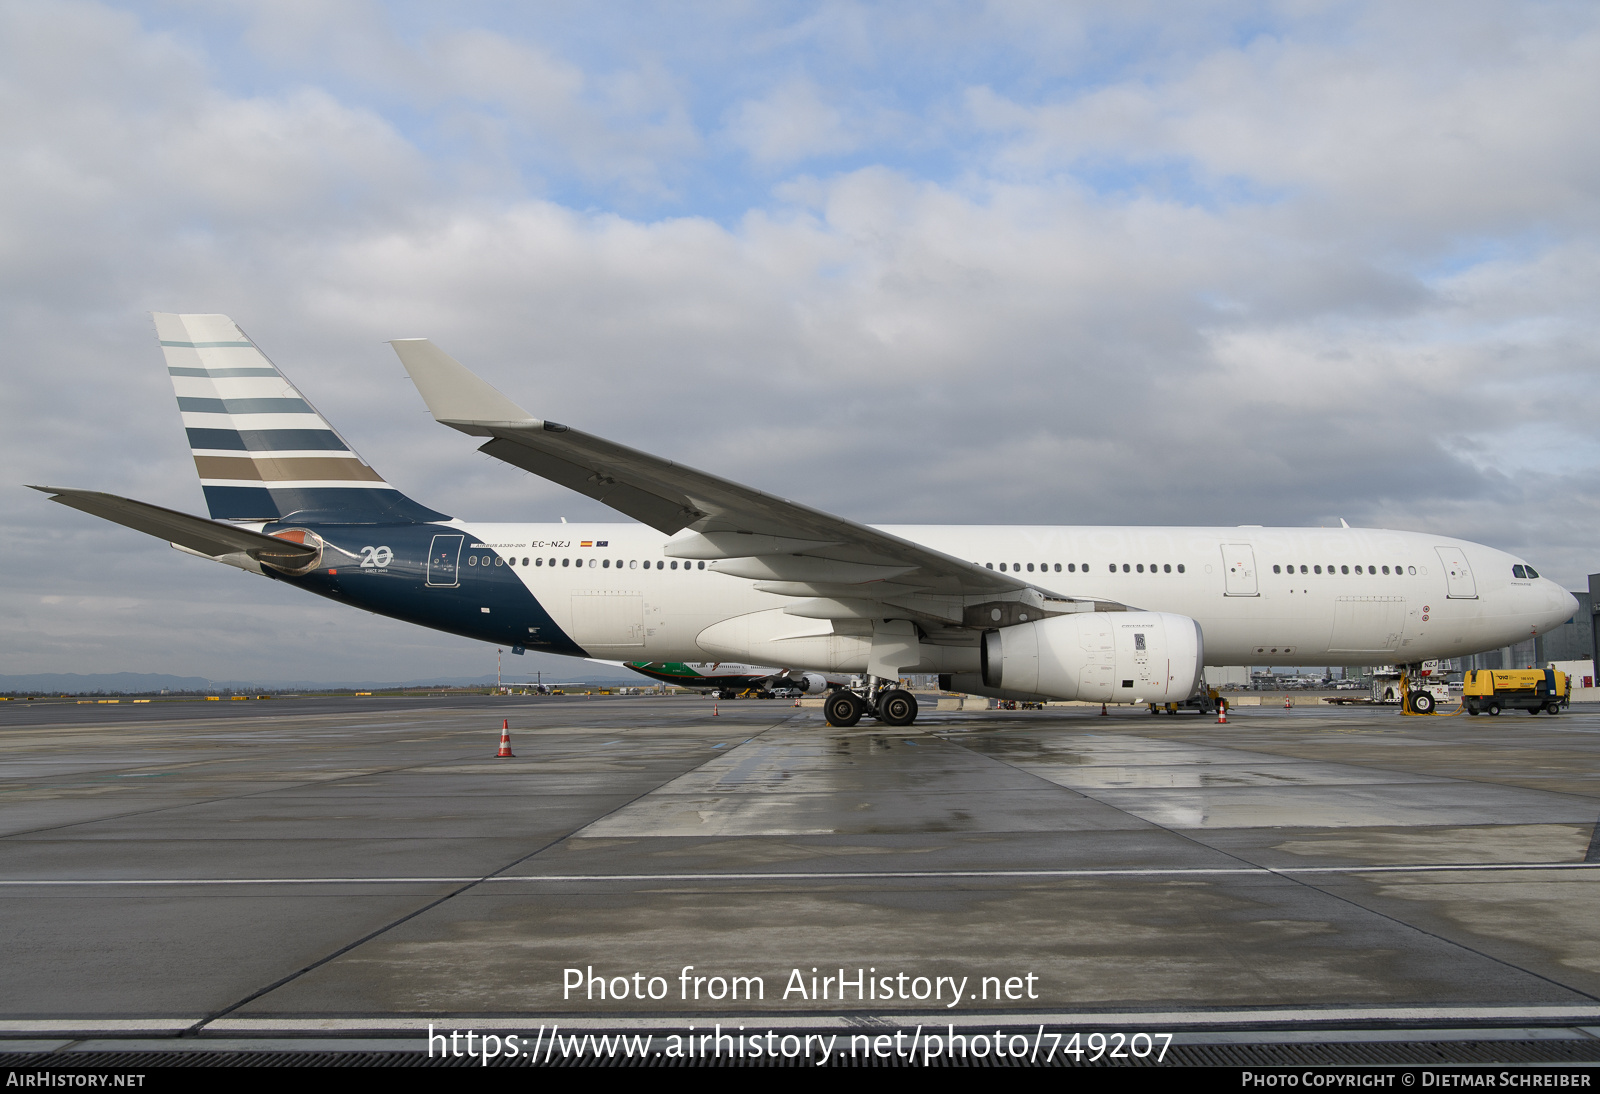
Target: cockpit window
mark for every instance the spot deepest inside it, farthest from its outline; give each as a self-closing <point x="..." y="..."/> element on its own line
<point x="1519" y="571"/>
<point x="1531" y="571"/>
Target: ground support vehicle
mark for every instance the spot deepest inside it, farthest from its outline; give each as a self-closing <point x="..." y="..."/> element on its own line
<point x="1489" y="691"/>
<point x="1204" y="703"/>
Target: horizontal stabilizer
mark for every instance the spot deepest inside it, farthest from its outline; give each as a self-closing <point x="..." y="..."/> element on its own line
<point x="209" y="537"/>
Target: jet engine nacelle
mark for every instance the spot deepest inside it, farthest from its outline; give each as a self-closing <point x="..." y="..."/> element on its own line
<point x="809" y="682"/>
<point x="1102" y="657"/>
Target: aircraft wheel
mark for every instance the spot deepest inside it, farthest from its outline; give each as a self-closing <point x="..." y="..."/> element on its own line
<point x="1493" y="709"/>
<point x="1422" y="702"/>
<point x="897" y="708"/>
<point x="843" y="709"/>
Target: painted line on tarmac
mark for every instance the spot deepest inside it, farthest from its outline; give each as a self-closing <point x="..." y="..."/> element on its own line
<point x="14" y="1026"/>
<point x="866" y="1023"/>
<point x="1299" y="1017"/>
<point x="839" y="875"/>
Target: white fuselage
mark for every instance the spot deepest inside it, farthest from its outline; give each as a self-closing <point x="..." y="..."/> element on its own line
<point x="1380" y="596"/>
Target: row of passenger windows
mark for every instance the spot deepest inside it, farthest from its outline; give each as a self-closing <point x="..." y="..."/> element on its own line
<point x="1072" y="567"/>
<point x="602" y="563"/>
<point x="1343" y="569"/>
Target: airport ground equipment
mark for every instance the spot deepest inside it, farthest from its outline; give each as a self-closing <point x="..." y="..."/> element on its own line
<point x="1493" y="690"/>
<point x="1204" y="703"/>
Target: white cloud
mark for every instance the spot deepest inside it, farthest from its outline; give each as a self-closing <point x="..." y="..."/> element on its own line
<point x="1367" y="294"/>
<point x="791" y="123"/>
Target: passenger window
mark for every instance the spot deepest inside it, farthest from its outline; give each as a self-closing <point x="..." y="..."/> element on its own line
<point x="1002" y="567"/>
<point x="674" y="564"/>
<point x="1167" y="569"/>
<point x="1016" y="567"/>
<point x="566" y="562"/>
<point x="1386" y="569"/>
<point x="606" y="562"/>
<point x="1058" y="567"/>
<point x="1072" y="567"/>
<point x="1124" y="567"/>
<point x="1302" y="569"/>
<point x="1141" y="567"/>
<point x="1180" y="567"/>
<point x="1277" y="569"/>
<point x="1344" y="569"/>
<point x="1030" y="567"/>
<point x="524" y="561"/>
<point x="1113" y="567"/>
<point x="702" y="566"/>
<point x="1411" y="569"/>
<point x="988" y="565"/>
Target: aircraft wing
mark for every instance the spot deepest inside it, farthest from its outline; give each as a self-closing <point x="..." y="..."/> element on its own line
<point x="840" y="568"/>
<point x="208" y="537"/>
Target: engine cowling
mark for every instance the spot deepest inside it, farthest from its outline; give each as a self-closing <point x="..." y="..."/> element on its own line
<point x="1102" y="657"/>
<point x="810" y="683"/>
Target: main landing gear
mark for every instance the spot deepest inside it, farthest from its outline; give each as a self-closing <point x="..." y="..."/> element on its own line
<point x="892" y="706"/>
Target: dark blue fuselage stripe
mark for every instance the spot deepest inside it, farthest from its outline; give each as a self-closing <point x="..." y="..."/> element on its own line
<point x="244" y="406"/>
<point x="266" y="440"/>
<point x="400" y="590"/>
<point x="221" y="373"/>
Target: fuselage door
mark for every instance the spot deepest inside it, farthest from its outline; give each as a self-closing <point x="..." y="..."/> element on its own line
<point x="1457" y="574"/>
<point x="444" y="562"/>
<point x="1239" y="567"/>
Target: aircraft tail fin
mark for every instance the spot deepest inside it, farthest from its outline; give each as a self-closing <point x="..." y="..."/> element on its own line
<point x="262" y="450"/>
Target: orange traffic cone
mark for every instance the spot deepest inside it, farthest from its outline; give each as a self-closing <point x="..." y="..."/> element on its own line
<point x="1103" y="713"/>
<point x="505" y="741"/>
<point x="1222" y="714"/>
<point x="1288" y="704"/>
<point x="714" y="713"/>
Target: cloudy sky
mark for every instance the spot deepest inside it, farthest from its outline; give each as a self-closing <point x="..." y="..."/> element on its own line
<point x="1017" y="262"/>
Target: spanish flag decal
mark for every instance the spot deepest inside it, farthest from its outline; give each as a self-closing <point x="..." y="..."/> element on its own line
<point x="587" y="543"/>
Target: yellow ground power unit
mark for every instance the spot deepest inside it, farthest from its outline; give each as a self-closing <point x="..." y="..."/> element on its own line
<point x="1493" y="690"/>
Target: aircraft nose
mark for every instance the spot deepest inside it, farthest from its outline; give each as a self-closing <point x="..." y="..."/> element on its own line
<point x="1566" y="603"/>
<point x="1560" y="606"/>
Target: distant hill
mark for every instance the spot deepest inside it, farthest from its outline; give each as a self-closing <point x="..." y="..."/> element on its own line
<point x="122" y="683"/>
<point x="73" y="683"/>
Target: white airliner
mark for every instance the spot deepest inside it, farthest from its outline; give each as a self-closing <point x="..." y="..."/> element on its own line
<point x="710" y="570"/>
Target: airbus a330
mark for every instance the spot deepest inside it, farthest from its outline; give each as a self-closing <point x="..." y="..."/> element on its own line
<point x="707" y="569"/>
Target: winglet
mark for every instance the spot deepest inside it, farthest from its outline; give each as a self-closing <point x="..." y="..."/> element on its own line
<point x="454" y="395"/>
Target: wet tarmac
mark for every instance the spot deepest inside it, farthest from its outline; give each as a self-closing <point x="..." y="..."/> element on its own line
<point x="365" y="866"/>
